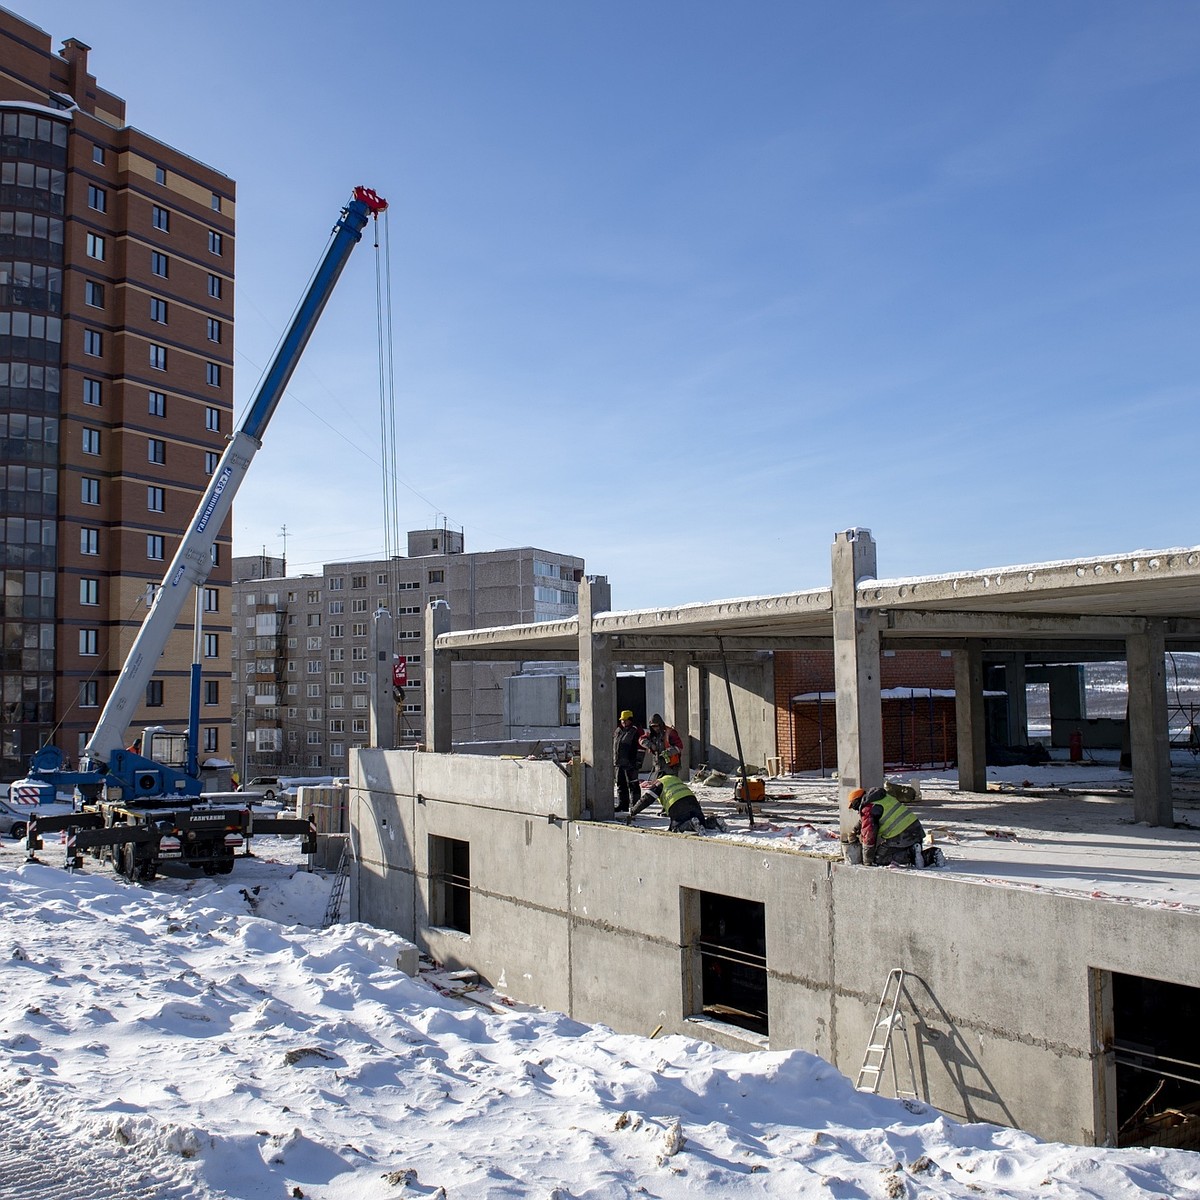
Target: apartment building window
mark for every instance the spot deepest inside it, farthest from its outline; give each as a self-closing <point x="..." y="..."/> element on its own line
<point x="337" y="654"/>
<point x="212" y="645"/>
<point x="210" y="461"/>
<point x="337" y="631"/>
<point x="158" y="356"/>
<point x="314" y="643"/>
<point x="158" y="310"/>
<point x="92" y="392"/>
<point x="156" y="450"/>
<point x="89" y="541"/>
<point x="336" y="679"/>
<point x="336" y="583"/>
<point x="88" y="642"/>
<point x="212" y="692"/>
<point x="358" y="725"/>
<point x="91" y="441"/>
<point x="90" y="490"/>
<point x="93" y="342"/>
<point x="93" y="293"/>
<point x="337" y="725"/>
<point x="212" y="419"/>
<point x="358" y="654"/>
<point x="359" y="701"/>
<point x="358" y="581"/>
<point x="358" y="678"/>
<point x="337" y="607"/>
<point x="313" y="691"/>
<point x="97" y="198"/>
<point x="212" y="599"/>
<point x="359" y="629"/>
<point x="337" y="750"/>
<point x="97" y="154"/>
<point x="314" y="714"/>
<point x="154" y="694"/>
<point x="89" y="591"/>
<point x="159" y="264"/>
<point x="216" y="555"/>
<point x="214" y="286"/>
<point x="154" y="545"/>
<point x="411" y="708"/>
<point x="358" y="606"/>
<point x="89" y="694"/>
<point x="95" y="247"/>
<point x="212" y="374"/>
<point x="155" y="499"/>
<point x="160" y="218"/>
<point x="214" y="242"/>
<point x="210" y="739"/>
<point x="214" y="329"/>
<point x="412" y="658"/>
<point x="216" y="202"/>
<point x="314" y="666"/>
<point x="160" y="175"/>
<point x="157" y="404"/>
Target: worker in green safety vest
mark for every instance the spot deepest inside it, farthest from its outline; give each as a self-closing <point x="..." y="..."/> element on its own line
<point x="889" y="832"/>
<point x="678" y="802"/>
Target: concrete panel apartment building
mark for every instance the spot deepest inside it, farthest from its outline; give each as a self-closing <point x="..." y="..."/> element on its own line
<point x="116" y="351"/>
<point x="302" y="665"/>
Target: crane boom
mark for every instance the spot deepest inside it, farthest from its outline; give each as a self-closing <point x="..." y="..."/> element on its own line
<point x="193" y="560"/>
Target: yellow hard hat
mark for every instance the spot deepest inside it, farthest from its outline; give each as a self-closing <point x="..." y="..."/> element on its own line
<point x="627" y="714"/>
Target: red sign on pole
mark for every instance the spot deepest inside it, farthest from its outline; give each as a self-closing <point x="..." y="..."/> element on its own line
<point x="399" y="672"/>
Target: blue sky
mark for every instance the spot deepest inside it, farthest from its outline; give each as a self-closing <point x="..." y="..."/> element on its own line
<point x="684" y="288"/>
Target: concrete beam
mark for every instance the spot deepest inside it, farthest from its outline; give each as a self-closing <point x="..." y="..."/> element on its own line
<point x="969" y="718"/>
<point x="929" y="622"/>
<point x="647" y="645"/>
<point x="1148" y="732"/>
<point x="597" y="699"/>
<point x="383" y="704"/>
<point x="529" y="654"/>
<point x="439" y="711"/>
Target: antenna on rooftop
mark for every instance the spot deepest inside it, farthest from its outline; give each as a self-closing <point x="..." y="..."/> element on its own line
<point x="283" y="534"/>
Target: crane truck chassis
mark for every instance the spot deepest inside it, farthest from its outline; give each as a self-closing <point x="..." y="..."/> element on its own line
<point x="139" y="838"/>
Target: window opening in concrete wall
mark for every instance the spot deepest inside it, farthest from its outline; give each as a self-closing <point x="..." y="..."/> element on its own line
<point x="1155" y="1056"/>
<point x="728" y="951"/>
<point x="450" y="883"/>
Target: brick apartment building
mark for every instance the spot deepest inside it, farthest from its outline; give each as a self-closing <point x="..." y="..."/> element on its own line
<point x="116" y="352"/>
<point x="302" y="671"/>
<point x="918" y="708"/>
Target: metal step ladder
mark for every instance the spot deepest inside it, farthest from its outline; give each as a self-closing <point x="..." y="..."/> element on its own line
<point x="888" y="1019"/>
<point x="341" y="878"/>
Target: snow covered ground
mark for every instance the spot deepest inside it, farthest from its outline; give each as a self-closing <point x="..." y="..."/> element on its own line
<point x="198" y="1038"/>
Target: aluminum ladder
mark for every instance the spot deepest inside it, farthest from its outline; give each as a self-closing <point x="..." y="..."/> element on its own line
<point x="341" y="877"/>
<point x="888" y="1018"/>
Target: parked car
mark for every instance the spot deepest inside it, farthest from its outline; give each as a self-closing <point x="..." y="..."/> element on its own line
<point x="266" y="786"/>
<point x="14" y="818"/>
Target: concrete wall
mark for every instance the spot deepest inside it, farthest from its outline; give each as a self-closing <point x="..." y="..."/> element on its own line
<point x="592" y="919"/>
<point x="753" y="685"/>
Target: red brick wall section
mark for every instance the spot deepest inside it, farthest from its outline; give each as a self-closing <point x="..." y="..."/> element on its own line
<point x="916" y="731"/>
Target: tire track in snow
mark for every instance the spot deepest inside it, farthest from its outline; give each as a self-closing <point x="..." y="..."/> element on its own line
<point x="44" y="1156"/>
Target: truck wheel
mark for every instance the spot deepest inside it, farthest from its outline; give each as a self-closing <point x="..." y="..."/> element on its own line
<point x="225" y="866"/>
<point x="127" y="865"/>
<point x="269" y="795"/>
<point x="18" y="831"/>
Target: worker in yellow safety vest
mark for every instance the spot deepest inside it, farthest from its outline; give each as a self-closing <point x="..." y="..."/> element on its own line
<point x="889" y="832"/>
<point x="678" y="802"/>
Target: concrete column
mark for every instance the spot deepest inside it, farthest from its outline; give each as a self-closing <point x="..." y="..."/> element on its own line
<point x="856" y="667"/>
<point x="1148" y="734"/>
<point x="968" y="716"/>
<point x="439" y="707"/>
<point x="597" y="700"/>
<point x="1018" y="709"/>
<point x="383" y="704"/>
<point x="676" y="709"/>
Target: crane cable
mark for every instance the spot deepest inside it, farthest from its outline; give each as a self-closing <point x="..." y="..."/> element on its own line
<point x="388" y="445"/>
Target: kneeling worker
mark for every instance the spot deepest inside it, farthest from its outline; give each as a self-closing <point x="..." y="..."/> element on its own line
<point x="889" y="832"/>
<point x="678" y="802"/>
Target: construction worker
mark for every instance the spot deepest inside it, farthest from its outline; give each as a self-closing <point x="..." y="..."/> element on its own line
<point x="678" y="802"/>
<point x="889" y="832"/>
<point x="665" y="744"/>
<point x="627" y="759"/>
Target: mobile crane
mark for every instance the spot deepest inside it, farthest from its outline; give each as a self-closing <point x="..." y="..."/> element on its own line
<point x="131" y="807"/>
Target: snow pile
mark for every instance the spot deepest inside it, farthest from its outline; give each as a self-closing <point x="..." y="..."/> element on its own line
<point x="198" y="1038"/>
